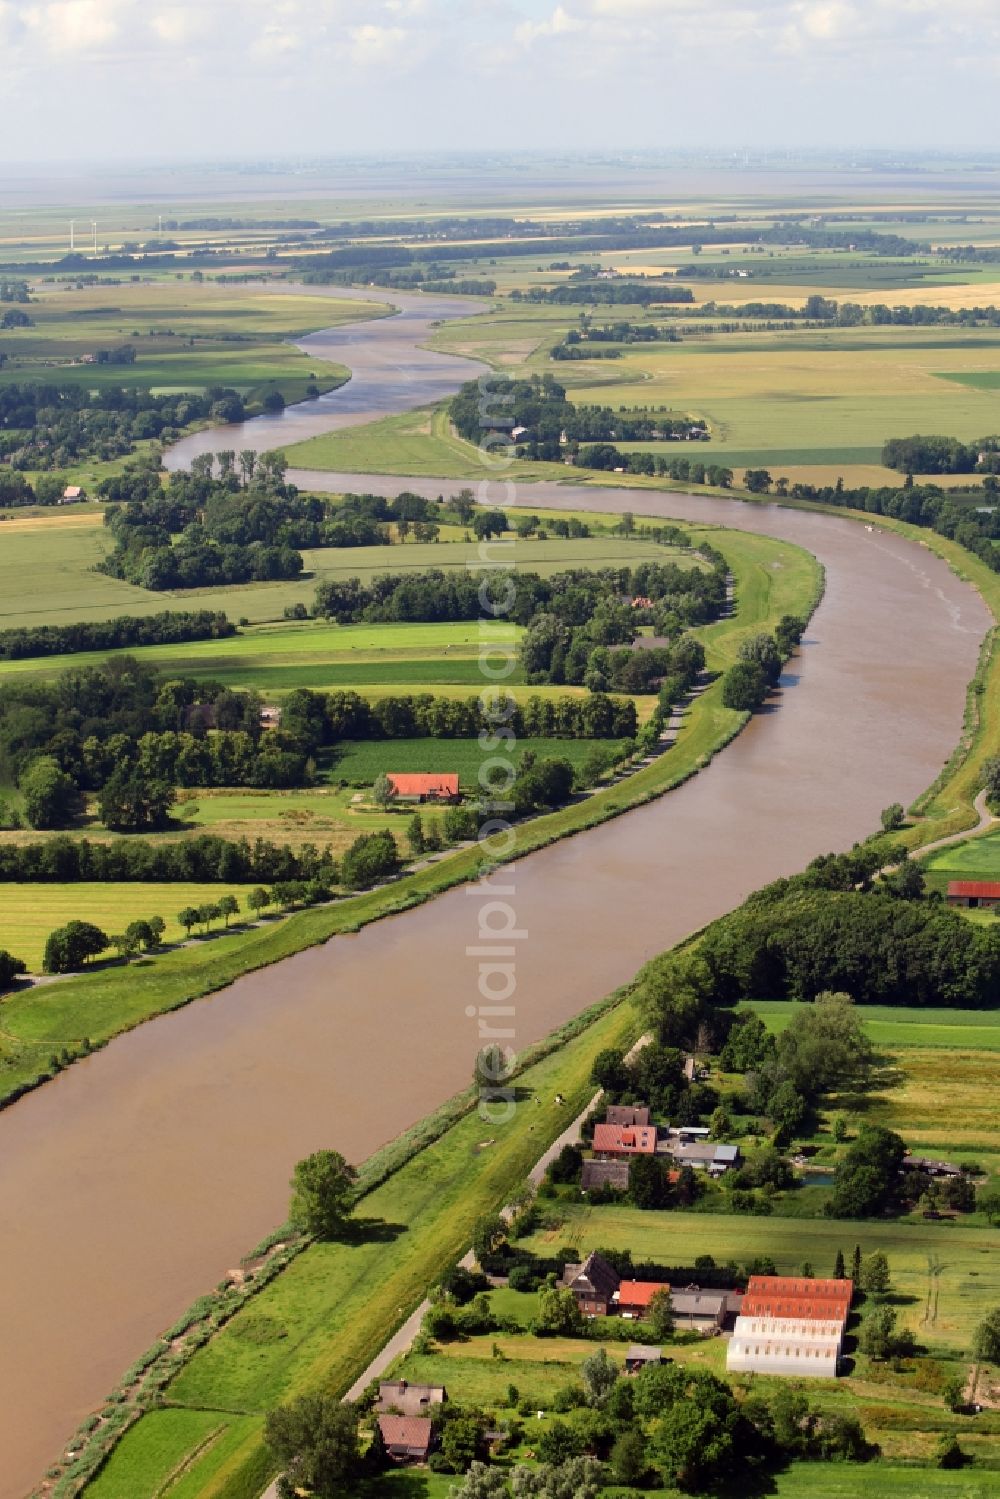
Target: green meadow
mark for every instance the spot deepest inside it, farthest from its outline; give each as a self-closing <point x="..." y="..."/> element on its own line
<point x="359" y="762"/>
<point x="187" y="335"/>
<point x="975" y="859"/>
<point x="47" y="573"/>
<point x="967" y="1256"/>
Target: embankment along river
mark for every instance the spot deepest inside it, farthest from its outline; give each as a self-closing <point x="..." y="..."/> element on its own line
<point x="134" y="1180"/>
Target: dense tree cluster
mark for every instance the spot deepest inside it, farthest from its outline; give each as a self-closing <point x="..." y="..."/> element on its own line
<point x="52" y="426"/>
<point x="120" y="723"/>
<point x="799" y="944"/>
<point x="942" y="455"/>
<point x="126" y="630"/>
<point x="547" y="424"/>
<point x="867" y="1178"/>
<point x="204" y="532"/>
<point x="758" y="665"/>
<point x="594" y="292"/>
<point x="600" y="599"/>
<point x="11" y="968"/>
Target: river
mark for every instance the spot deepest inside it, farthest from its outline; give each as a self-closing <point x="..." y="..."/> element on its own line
<point x="136" y="1178"/>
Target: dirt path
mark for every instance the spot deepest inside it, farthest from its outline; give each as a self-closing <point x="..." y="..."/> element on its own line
<point x="986" y="824"/>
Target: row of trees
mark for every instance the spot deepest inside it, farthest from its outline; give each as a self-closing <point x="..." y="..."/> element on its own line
<point x="202" y="859"/>
<point x="315" y="720"/>
<point x="126" y="630"/>
<point x="969" y="515"/>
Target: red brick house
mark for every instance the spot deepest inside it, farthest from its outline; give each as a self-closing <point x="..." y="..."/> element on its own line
<point x="407" y="1439"/>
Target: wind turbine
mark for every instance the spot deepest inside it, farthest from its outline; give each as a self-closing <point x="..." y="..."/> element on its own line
<point x="72" y="241"/>
<point x="93" y="225"/>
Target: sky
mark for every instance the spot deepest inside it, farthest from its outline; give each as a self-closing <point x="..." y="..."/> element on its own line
<point x="128" y="79"/>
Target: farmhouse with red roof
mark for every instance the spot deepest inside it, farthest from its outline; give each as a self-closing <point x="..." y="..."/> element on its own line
<point x="436" y="787"/>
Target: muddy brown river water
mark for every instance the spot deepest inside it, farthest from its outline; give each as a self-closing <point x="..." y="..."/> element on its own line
<point x="134" y="1180"/>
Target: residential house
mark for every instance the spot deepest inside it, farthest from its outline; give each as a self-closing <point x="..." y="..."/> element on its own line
<point x="633" y="1297"/>
<point x="704" y="1155"/>
<point x="424" y="788"/>
<point x="698" y="1310"/>
<point x="399" y="1397"/>
<point x="597" y="1174"/>
<point x="407" y="1439"/>
<point x="639" y="1356"/>
<point x="974" y="894"/>
<point x="270" y="716"/>
<point x="72" y="494"/>
<point x="593" y="1284"/>
<point x="628" y="1114"/>
<point x="930" y="1167"/>
<point x="624" y="1140"/>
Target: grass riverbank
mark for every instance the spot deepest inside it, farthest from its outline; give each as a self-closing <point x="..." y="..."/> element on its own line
<point x="772" y="578"/>
<point x="325" y="1316"/>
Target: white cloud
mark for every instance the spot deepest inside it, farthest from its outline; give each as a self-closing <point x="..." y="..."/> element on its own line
<point x="377" y="44"/>
<point x="558" y="24"/>
<point x="178" y="24"/>
<point x="77" y="25"/>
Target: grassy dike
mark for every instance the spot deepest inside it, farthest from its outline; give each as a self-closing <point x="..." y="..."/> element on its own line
<point x="319" y="1322"/>
<point x="70" y="1017"/>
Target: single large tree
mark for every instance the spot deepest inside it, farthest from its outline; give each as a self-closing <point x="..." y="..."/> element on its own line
<point x="72" y="946"/>
<point x="49" y="794"/>
<point x="315" y="1438"/>
<point x="322" y="1194"/>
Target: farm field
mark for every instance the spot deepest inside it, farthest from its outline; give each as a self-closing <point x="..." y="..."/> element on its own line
<point x="28" y="913"/>
<point x="969" y="1278"/>
<point x="414" y="443"/>
<point x="783" y="400"/>
<point x="899" y="1027"/>
<point x="102" y="1005"/>
<point x="359" y="763"/>
<point x="187" y="335"/>
<point x="47" y="575"/>
<point x="976" y="859"/>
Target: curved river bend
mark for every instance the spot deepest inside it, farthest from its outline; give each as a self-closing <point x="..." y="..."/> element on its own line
<point x="139" y="1176"/>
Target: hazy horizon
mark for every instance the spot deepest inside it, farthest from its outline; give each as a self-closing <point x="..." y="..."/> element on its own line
<point x="116" y="81"/>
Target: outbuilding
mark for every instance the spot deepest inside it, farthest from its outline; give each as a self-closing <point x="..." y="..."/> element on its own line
<point x="639" y="1356"/>
<point x="974" y="894"/>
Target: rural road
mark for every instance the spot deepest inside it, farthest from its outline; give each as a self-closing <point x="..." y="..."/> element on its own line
<point x="987" y="822"/>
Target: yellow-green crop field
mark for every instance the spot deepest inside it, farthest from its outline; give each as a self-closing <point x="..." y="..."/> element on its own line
<point x="28" y="913"/>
